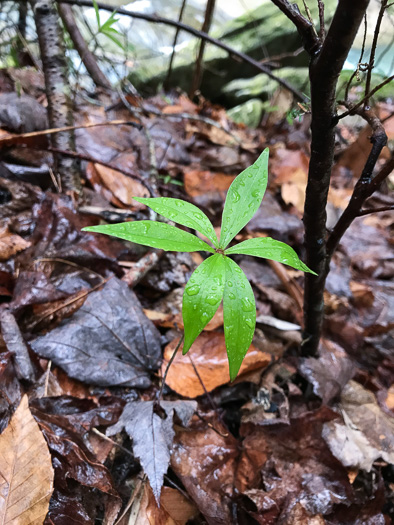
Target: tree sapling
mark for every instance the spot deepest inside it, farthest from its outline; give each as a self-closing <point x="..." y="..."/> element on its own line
<point x="218" y="277"/>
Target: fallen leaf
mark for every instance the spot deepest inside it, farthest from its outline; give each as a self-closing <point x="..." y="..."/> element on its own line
<point x="209" y="356"/>
<point x="26" y="473"/>
<point x="366" y="433"/>
<point x="153" y="436"/>
<point x="174" y="508"/>
<point x="199" y="182"/>
<point x="108" y="341"/>
<point x="328" y="373"/>
<point x="10" y="244"/>
<point x="10" y="389"/>
<point x="117" y="187"/>
<point x="64" y="423"/>
<point x="205" y="460"/>
<point x="289" y="463"/>
<point x="16" y="344"/>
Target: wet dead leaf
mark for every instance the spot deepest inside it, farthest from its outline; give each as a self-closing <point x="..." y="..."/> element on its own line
<point x="115" y="186"/>
<point x="174" y="508"/>
<point x="205" y="461"/>
<point x="209" y="356"/>
<point x="328" y="373"/>
<point x="199" y="182"/>
<point x="153" y="435"/>
<point x="108" y="341"/>
<point x="366" y="433"/>
<point x="26" y="473"/>
<point x="10" y="244"/>
<point x="16" y="344"/>
<point x="290" y="463"/>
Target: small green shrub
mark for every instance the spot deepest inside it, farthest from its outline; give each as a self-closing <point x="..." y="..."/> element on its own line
<point x="218" y="277"/>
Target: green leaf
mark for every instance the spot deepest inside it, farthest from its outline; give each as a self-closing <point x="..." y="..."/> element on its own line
<point x="239" y="315"/>
<point x="109" y="22"/>
<point x="96" y="9"/>
<point x="184" y="213"/>
<point x="244" y="198"/>
<point x="202" y="297"/>
<point x="268" y="248"/>
<point x="114" y="39"/>
<point x="155" y="234"/>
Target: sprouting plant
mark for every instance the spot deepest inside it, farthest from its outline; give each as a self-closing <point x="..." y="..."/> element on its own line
<point x="106" y="28"/>
<point x="218" y="277"/>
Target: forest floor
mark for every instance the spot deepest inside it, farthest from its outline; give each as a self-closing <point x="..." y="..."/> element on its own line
<point x="90" y="322"/>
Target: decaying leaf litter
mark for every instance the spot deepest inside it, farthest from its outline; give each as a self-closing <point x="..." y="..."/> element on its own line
<point x="90" y="323"/>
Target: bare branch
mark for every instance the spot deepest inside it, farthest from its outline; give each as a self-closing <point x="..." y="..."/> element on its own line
<point x="382" y="9"/>
<point x="86" y="55"/>
<point x="375" y="210"/>
<point x="364" y="187"/>
<point x="199" y="34"/>
<point x="353" y="109"/>
<point x="306" y="30"/>
<point x="322" y="30"/>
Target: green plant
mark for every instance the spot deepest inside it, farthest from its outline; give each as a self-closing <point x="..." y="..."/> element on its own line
<point x="218" y="277"/>
<point x="106" y="28"/>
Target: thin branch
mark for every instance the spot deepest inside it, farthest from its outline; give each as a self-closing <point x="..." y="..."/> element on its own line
<point x="166" y="83"/>
<point x="87" y="57"/>
<point x="353" y="109"/>
<point x="199" y="34"/>
<point x="363" y="187"/>
<point x="356" y="72"/>
<point x="375" y="210"/>
<point x="16" y="139"/>
<point x="322" y="30"/>
<point x="198" y="71"/>
<point x="163" y="382"/>
<point x="371" y="65"/>
<point x="306" y="30"/>
<point x="88" y="158"/>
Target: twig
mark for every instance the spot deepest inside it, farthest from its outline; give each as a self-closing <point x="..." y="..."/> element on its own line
<point x="322" y="29"/>
<point x="198" y="72"/>
<point x="8" y="141"/>
<point x="88" y="158"/>
<point x="362" y="189"/>
<point x="306" y="30"/>
<point x="163" y="381"/>
<point x="199" y="34"/>
<point x="356" y="72"/>
<point x="139" y="269"/>
<point x="353" y="109"/>
<point x="375" y="210"/>
<point x="371" y="65"/>
<point x="166" y="83"/>
<point x="84" y="52"/>
<point x="106" y="438"/>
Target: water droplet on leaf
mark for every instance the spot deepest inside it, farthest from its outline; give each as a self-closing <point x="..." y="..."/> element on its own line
<point x="236" y="196"/>
<point x="212" y="299"/>
<point x="247" y="305"/>
<point x="193" y="290"/>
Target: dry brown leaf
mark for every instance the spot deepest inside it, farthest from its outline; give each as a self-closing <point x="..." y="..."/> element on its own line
<point x="199" y="182"/>
<point x="115" y="186"/>
<point x="174" y="509"/>
<point x="10" y="243"/>
<point x="365" y="435"/>
<point x="26" y="473"/>
<point x="209" y="356"/>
